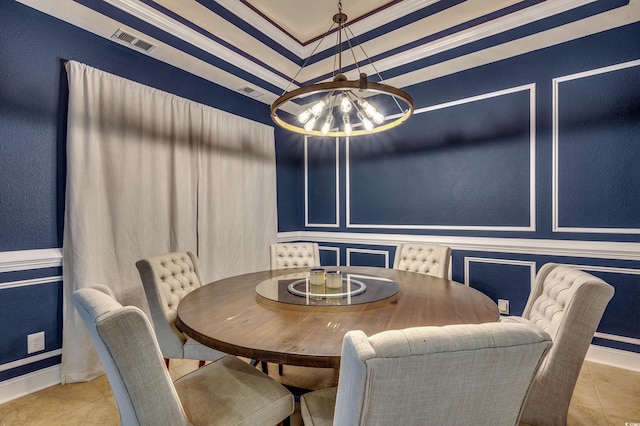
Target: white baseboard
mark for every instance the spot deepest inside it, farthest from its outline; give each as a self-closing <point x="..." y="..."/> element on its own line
<point x="29" y="383"/>
<point x="614" y="357"/>
<point x="51" y="376"/>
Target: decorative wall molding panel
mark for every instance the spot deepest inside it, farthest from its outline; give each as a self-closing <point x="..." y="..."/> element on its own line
<point x="324" y="208"/>
<point x="508" y="201"/>
<point x="383" y="253"/>
<point x="334" y="250"/>
<point x="590" y="143"/>
<point x="468" y="260"/>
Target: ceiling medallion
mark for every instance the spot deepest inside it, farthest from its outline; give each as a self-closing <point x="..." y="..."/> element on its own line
<point x="344" y="104"/>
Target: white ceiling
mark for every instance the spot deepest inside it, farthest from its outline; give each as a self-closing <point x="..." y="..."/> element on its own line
<point x="262" y="44"/>
<point x="305" y="20"/>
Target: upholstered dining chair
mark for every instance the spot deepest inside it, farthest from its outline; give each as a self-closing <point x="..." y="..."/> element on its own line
<point x="167" y="279"/>
<point x="294" y="255"/>
<point x="475" y="374"/>
<point x="227" y="391"/>
<point x="431" y="259"/>
<point x="568" y="304"/>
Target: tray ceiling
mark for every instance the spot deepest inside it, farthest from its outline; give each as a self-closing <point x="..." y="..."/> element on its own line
<point x="257" y="47"/>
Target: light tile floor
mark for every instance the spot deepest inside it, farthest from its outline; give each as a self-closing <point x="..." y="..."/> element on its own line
<point x="604" y="396"/>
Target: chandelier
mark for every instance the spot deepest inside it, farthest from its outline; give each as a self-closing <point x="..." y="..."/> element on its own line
<point x="343" y="107"/>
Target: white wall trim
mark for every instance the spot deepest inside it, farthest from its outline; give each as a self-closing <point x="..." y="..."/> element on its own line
<point x="532" y="266"/>
<point x="30" y="360"/>
<point x="22" y="260"/>
<point x="29" y="383"/>
<point x="556" y="227"/>
<point x="531" y="88"/>
<point x="368" y="251"/>
<point x="569" y="248"/>
<point x="334" y="249"/>
<point x="616" y="338"/>
<point x="306" y="187"/>
<point x="34" y="281"/>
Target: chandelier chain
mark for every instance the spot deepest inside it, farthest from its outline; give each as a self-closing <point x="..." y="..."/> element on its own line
<point x="372" y="65"/>
<point x="308" y="58"/>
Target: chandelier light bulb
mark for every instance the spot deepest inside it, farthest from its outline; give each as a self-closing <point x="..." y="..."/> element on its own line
<point x="347" y="124"/>
<point x="318" y="107"/>
<point x="304" y="116"/>
<point x="345" y="103"/>
<point x="309" y="125"/>
<point x="368" y="125"/>
<point x="327" y="125"/>
<point x="378" y="118"/>
<point x="369" y="109"/>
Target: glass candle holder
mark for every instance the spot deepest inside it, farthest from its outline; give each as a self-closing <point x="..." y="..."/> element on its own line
<point x="317" y="283"/>
<point x="334" y="287"/>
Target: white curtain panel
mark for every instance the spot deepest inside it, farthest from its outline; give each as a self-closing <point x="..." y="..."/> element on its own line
<point x="149" y="173"/>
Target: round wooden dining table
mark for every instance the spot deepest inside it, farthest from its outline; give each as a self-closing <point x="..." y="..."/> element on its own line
<point x="231" y="316"/>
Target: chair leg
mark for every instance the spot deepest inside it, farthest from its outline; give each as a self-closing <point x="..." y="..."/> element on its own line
<point x="200" y="363"/>
<point x="166" y="362"/>
<point x="280" y="369"/>
<point x="265" y="367"/>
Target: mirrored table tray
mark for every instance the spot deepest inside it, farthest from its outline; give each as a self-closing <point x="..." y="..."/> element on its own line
<point x="296" y="289"/>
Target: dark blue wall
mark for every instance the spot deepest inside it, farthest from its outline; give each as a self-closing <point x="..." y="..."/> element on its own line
<point x="464" y="171"/>
<point x="468" y="165"/>
<point x="33" y="99"/>
<point x="462" y="166"/>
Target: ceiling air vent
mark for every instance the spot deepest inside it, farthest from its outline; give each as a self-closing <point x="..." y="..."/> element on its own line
<point x="250" y="92"/>
<point x="132" y="40"/>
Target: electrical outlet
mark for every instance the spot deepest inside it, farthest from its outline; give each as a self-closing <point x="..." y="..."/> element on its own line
<point x="35" y="342"/>
<point x="503" y="306"/>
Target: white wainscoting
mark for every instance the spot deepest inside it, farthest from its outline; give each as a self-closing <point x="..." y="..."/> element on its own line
<point x="30" y="259"/>
<point x="565" y="248"/>
<point x="25" y="260"/>
<point x="569" y="248"/>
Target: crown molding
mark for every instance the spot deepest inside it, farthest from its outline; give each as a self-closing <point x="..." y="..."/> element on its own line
<point x="161" y="21"/>
<point x="497" y="26"/>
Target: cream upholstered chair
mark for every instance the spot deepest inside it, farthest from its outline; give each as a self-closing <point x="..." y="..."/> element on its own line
<point x="568" y="304"/>
<point x="227" y="391"/>
<point x="167" y="279"/>
<point x="294" y="255"/>
<point x="428" y="259"/>
<point x="475" y="374"/>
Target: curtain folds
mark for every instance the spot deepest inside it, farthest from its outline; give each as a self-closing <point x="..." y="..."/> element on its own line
<point x="148" y="173"/>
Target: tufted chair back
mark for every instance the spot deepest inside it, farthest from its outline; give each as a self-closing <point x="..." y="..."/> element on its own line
<point x="127" y="348"/>
<point x="428" y="259"/>
<point x="568" y="304"/>
<point x="460" y="374"/>
<point x="167" y="279"/>
<point x="294" y="255"/>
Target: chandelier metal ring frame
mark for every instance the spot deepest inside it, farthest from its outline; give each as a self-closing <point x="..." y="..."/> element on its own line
<point x="341" y="94"/>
